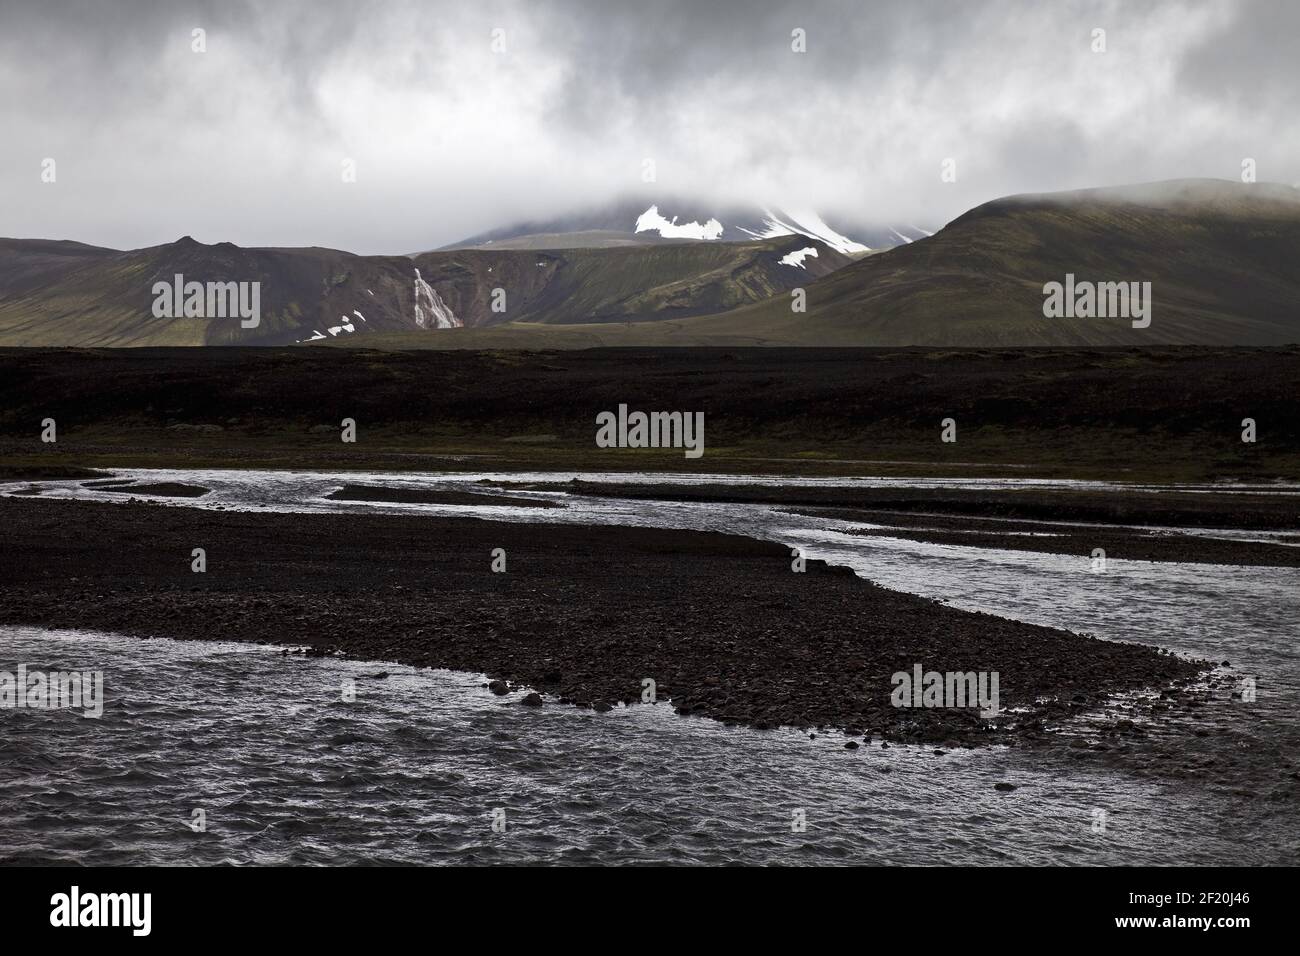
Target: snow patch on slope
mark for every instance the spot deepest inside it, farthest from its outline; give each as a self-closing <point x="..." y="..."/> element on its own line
<point x="652" y="221"/>
<point x="429" y="308"/>
<point x="797" y="257"/>
<point x="808" y="223"/>
<point x="347" y="326"/>
<point x="805" y="223"/>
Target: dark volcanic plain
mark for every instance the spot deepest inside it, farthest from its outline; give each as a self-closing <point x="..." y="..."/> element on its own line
<point x="1158" y="413"/>
<point x="721" y="623"/>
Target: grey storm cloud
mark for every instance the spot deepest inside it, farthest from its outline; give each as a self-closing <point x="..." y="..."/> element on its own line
<point x="246" y="140"/>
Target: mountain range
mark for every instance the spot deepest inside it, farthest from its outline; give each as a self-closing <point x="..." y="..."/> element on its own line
<point x="66" y="293"/>
<point x="1220" y="258"/>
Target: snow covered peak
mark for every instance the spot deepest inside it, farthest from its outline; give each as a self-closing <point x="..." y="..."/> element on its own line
<point x="766" y="225"/>
<point x="652" y="221"/>
<point x="634" y="219"/>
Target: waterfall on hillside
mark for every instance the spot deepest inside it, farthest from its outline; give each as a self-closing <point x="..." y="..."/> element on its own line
<point x="430" y="310"/>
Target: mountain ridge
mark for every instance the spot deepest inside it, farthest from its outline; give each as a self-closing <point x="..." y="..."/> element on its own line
<point x="54" y="294"/>
<point x="1219" y="256"/>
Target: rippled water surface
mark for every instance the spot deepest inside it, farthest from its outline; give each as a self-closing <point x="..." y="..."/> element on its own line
<point x="288" y="770"/>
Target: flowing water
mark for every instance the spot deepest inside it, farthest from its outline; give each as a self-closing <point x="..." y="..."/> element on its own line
<point x="418" y="766"/>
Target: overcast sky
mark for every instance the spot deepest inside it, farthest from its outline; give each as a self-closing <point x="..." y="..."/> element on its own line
<point x="245" y="142"/>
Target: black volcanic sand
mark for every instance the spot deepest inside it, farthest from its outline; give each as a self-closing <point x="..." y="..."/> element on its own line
<point x="433" y="497"/>
<point x="721" y="623"/>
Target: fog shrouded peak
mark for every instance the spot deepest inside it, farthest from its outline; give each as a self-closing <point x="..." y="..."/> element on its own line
<point x="400" y="126"/>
